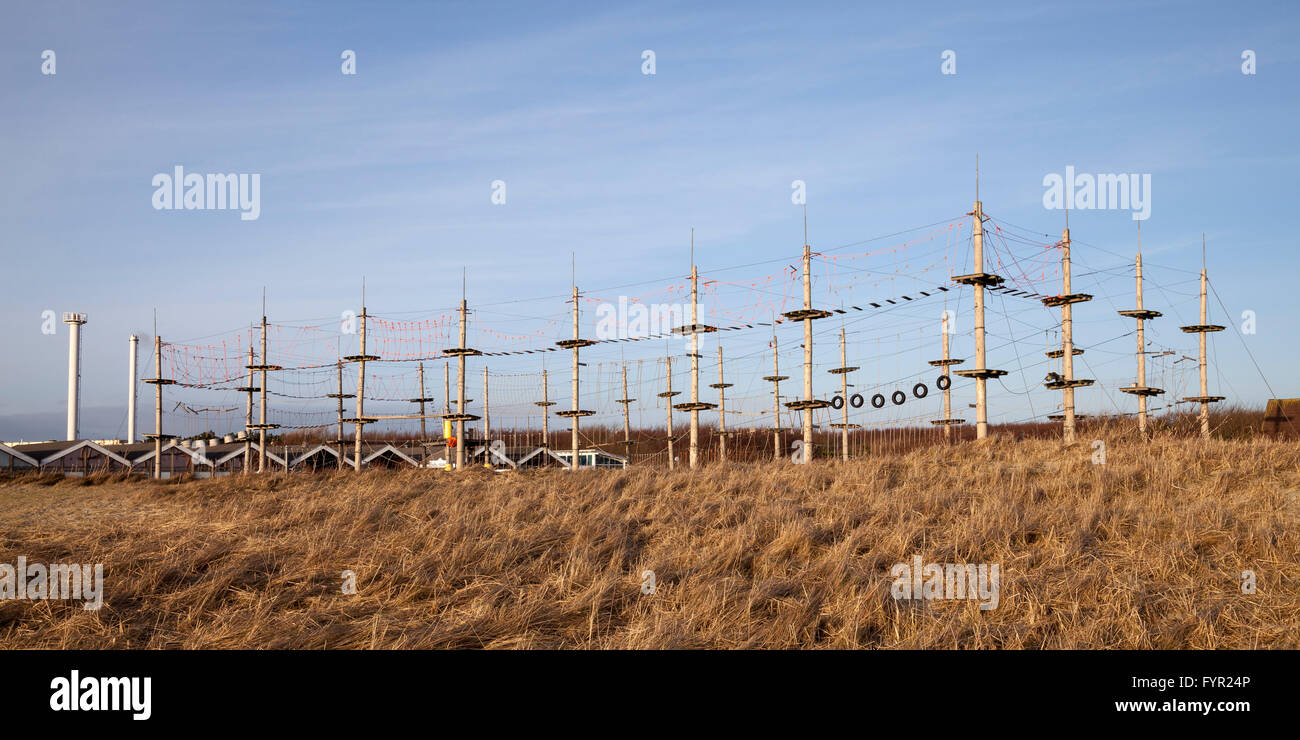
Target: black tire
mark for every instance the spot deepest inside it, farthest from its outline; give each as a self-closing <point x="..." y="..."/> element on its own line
<point x="943" y="383"/>
<point x="878" y="401"/>
<point x="920" y="390"/>
<point x="898" y="398"/>
<point x="856" y="400"/>
<point x="837" y="402"/>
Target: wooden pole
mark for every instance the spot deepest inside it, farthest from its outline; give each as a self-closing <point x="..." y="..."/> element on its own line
<point x="361" y="393"/>
<point x="544" y="403"/>
<point x="943" y="364"/>
<point x="1141" y="348"/>
<point x="339" y="393"/>
<point x="1201" y="329"/>
<point x="574" y="413"/>
<point x="261" y="422"/>
<point x="424" y="432"/>
<point x="775" y="379"/>
<point x="981" y="393"/>
<point x="157" y="406"/>
<point x="807" y="352"/>
<point x="626" y="402"/>
<point x="248" y="421"/>
<point x="807" y="314"/>
<point x="947" y="392"/>
<point x="979" y="280"/>
<point x="843" y="371"/>
<point x="722" y="387"/>
<point x="668" y="394"/>
<point x="695" y="405"/>
<point x="1066" y="382"/>
<point x="1067" y="341"/>
<point x="487" y="419"/>
<point x="1204" y="375"/>
<point x="1140" y="388"/>
<point x="844" y="393"/>
<point x="695" y="364"/>
<point x="460" y="391"/>
<point x="574" y="442"/>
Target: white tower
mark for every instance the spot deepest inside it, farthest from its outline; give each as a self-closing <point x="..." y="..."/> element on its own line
<point x="74" y="322"/>
<point x="131" y="394"/>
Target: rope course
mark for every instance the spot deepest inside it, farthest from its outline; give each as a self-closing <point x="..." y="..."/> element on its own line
<point x="902" y="375"/>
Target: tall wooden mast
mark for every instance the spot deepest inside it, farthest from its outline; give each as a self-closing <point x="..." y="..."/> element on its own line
<point x="1142" y="315"/>
<point x="807" y="314"/>
<point x="1201" y="329"/>
<point x="979" y="280"/>
<point x="1066" y="382"/>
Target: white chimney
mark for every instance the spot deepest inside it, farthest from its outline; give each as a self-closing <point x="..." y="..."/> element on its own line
<point x="74" y="322"/>
<point x="131" y="392"/>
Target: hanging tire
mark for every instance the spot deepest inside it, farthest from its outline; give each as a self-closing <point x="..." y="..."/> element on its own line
<point x="920" y="390"/>
<point x="878" y="401"/>
<point x="856" y="400"/>
<point x="898" y="398"/>
<point x="943" y="383"/>
<point x="837" y="402"/>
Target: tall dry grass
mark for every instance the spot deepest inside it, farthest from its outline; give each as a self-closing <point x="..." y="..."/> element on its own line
<point x="1145" y="551"/>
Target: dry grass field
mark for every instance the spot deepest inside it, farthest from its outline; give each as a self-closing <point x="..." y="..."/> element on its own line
<point x="1145" y="551"/>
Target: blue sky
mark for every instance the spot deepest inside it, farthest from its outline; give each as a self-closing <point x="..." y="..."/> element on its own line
<point x="388" y="172"/>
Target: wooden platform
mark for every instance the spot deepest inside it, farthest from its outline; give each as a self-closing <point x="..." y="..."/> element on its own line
<point x="414" y="400"/>
<point x="1140" y="313"/>
<point x="697" y="406"/>
<point x="985" y="373"/>
<point x="1056" y="385"/>
<point x="574" y="343"/>
<point x="945" y="363"/>
<point x="361" y="358"/>
<point x="979" y="278"/>
<point x="1204" y="399"/>
<point x="1141" y="390"/>
<point x="806" y="313"/>
<point x="947" y="422"/>
<point x="1201" y="328"/>
<point x="669" y="394"/>
<point x="846" y="426"/>
<point x="1061" y="417"/>
<point x="816" y="403"/>
<point x="459" y="417"/>
<point x="721" y="385"/>
<point x="1053" y="301"/>
<point x="695" y="329"/>
<point x="1056" y="353"/>
<point x="841" y="370"/>
<point x="266" y="368"/>
<point x="456" y="352"/>
<point x="159" y="381"/>
<point x="261" y="426"/>
<point x="775" y="378"/>
<point x="247" y="389"/>
<point x="571" y="413"/>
